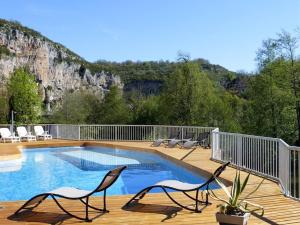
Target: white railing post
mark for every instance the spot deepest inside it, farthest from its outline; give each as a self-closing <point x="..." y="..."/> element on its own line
<point x="239" y="150"/>
<point x="78" y="132"/>
<point x="215" y="143"/>
<point x="57" y="131"/>
<point x="284" y="165"/>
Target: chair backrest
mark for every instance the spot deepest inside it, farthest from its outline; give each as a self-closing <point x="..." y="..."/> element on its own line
<point x="22" y="131"/>
<point x="174" y="134"/>
<point x="217" y="173"/>
<point x="5" y="132"/>
<point x="189" y="135"/>
<point x="39" y="130"/>
<point x="109" y="179"/>
<point x="203" y="136"/>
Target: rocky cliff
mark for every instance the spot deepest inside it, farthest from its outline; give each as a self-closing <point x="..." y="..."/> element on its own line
<point x="56" y="68"/>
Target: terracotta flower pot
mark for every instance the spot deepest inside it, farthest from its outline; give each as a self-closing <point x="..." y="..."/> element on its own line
<point x="225" y="219"/>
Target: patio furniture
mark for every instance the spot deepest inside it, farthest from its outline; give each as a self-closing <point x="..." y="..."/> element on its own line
<point x="41" y="134"/>
<point x="187" y="137"/>
<point x="7" y="136"/>
<point x="24" y="135"/>
<point x="202" y="140"/>
<point x="184" y="188"/>
<point x="173" y="135"/>
<point x="76" y="194"/>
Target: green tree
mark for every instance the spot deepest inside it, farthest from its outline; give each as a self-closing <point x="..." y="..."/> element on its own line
<point x="228" y="112"/>
<point x="287" y="46"/>
<point x="113" y="109"/>
<point x="178" y="98"/>
<point x="24" y="97"/>
<point x="77" y="108"/>
<point x="271" y="110"/>
<point x="146" y="110"/>
<point x="4" y="109"/>
<point x="274" y="94"/>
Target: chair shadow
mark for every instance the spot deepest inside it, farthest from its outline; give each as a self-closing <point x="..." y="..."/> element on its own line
<point x="40" y="217"/>
<point x="48" y="217"/>
<point x="169" y="211"/>
<point x="264" y="218"/>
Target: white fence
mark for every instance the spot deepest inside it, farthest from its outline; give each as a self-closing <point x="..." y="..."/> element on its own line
<point x="269" y="157"/>
<point x="117" y="132"/>
<point x="124" y="132"/>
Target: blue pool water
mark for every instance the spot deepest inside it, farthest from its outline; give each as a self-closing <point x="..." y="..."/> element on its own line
<point x="44" y="169"/>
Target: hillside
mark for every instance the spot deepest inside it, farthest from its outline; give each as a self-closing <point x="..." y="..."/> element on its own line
<point x="58" y="69"/>
<point x="149" y="76"/>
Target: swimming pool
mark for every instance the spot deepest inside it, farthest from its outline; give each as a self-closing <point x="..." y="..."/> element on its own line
<point x="43" y="169"/>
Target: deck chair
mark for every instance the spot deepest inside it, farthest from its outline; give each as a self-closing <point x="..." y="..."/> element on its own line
<point x="24" y="135"/>
<point x="173" y="135"/>
<point x="187" y="137"/>
<point x="202" y="140"/>
<point x="7" y="136"/>
<point x="41" y="134"/>
<point x="76" y="194"/>
<point x="184" y="188"/>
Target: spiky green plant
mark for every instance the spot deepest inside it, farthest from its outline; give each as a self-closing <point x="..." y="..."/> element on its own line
<point x="236" y="204"/>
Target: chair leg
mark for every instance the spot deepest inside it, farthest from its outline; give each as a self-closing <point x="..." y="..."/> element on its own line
<point x="87" y="210"/>
<point x="32" y="207"/>
<point x="70" y="214"/>
<point x="197" y="202"/>
<point x="139" y="195"/>
<point x="104" y="202"/>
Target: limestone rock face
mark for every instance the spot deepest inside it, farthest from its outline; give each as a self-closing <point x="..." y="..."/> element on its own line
<point x="55" y="67"/>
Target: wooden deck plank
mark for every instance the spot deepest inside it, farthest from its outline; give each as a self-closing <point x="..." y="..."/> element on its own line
<point x="157" y="208"/>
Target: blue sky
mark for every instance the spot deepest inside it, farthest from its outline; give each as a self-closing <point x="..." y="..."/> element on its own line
<point x="226" y="32"/>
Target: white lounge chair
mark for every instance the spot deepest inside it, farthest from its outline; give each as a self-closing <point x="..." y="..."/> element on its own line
<point x="24" y="135"/>
<point x="41" y="134"/>
<point x="7" y="136"/>
<point x="184" y="188"/>
<point x="72" y="193"/>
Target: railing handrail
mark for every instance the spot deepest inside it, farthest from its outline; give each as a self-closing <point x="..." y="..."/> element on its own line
<point x="250" y="136"/>
<point x="132" y="125"/>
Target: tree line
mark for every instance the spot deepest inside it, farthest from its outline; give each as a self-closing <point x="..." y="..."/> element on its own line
<point x="270" y="105"/>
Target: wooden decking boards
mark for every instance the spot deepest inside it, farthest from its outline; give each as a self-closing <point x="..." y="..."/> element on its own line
<point x="154" y="208"/>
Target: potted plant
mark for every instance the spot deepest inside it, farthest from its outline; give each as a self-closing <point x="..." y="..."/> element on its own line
<point x="235" y="208"/>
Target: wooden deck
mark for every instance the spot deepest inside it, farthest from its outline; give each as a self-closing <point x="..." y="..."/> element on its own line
<point x="157" y="208"/>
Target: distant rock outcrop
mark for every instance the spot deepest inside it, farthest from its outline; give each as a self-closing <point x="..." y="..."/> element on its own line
<point x="56" y="68"/>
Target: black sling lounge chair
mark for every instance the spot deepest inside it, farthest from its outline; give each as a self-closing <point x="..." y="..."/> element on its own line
<point x="76" y="194"/>
<point x="184" y="188"/>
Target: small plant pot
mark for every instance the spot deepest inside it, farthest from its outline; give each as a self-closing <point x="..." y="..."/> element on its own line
<point x="225" y="219"/>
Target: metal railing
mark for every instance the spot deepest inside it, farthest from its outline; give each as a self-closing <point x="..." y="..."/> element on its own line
<point x="116" y="132"/>
<point x="124" y="132"/>
<point x="269" y="157"/>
